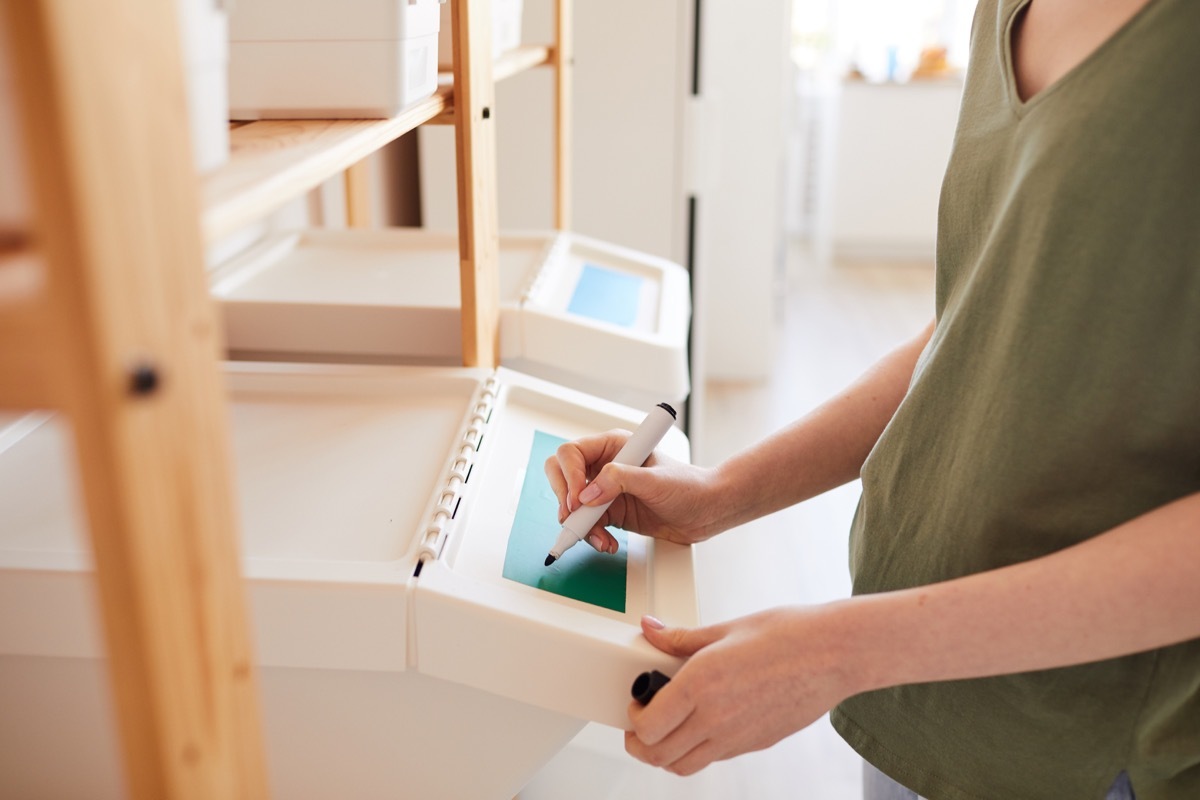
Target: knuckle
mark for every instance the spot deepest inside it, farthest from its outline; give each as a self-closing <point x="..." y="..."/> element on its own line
<point x="612" y="474"/>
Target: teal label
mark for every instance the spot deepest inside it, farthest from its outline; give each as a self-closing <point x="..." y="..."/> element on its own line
<point x="581" y="573"/>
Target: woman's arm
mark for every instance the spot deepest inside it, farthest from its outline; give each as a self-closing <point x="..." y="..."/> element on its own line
<point x="824" y="449"/>
<point x="688" y="504"/>
<point x="750" y="682"/>
<point x="1134" y="588"/>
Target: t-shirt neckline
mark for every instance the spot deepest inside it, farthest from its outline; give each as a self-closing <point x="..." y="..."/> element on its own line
<point x="1022" y="107"/>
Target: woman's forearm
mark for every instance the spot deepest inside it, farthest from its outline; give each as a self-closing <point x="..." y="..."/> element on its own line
<point x="1133" y="588"/>
<point x="821" y="451"/>
<point x="749" y="682"/>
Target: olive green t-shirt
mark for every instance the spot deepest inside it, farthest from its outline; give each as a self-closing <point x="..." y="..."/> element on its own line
<point x="1058" y="398"/>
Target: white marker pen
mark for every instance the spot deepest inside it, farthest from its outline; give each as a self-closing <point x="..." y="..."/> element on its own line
<point x="635" y="452"/>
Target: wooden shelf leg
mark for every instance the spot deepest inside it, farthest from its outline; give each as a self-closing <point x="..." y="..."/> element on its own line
<point x="475" y="144"/>
<point x="116" y="220"/>
<point x="564" y="67"/>
<point x="358" y="195"/>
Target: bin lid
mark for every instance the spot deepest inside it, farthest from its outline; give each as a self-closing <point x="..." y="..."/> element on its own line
<point x="320" y="21"/>
<point x="333" y="465"/>
<point x="584" y="312"/>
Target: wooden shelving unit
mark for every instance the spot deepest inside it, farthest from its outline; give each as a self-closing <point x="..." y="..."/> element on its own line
<point x="522" y="58"/>
<point x="105" y="316"/>
<point x="274" y="161"/>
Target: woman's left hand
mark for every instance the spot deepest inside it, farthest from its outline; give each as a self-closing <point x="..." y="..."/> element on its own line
<point x="746" y="684"/>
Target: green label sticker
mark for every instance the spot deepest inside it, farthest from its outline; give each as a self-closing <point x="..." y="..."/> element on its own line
<point x="581" y="573"/>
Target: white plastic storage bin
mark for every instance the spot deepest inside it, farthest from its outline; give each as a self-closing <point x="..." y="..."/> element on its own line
<point x="331" y="58"/>
<point x="380" y="507"/>
<point x="14" y="202"/>
<point x="583" y="313"/>
<point x="506" y="30"/>
<point x="205" y="39"/>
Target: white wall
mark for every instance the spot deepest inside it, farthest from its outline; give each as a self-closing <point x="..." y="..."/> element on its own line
<point x="892" y="146"/>
<point x="745" y="85"/>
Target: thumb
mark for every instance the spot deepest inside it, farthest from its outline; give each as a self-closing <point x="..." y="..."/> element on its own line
<point x="679" y="641"/>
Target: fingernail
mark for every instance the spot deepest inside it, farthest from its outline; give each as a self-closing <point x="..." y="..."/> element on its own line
<point x="590" y="493"/>
<point x="653" y="622"/>
<point x="594" y="540"/>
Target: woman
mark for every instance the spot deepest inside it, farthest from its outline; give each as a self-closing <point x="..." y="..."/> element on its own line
<point x="1026" y="553"/>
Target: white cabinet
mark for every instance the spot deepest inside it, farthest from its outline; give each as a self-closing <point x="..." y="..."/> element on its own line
<point x="892" y="145"/>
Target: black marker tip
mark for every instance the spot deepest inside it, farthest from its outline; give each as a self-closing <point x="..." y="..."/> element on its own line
<point x="550" y="560"/>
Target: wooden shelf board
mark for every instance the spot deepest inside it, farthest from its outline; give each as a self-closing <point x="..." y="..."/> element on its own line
<point x="274" y="161"/>
<point x="514" y="62"/>
<point x="521" y="59"/>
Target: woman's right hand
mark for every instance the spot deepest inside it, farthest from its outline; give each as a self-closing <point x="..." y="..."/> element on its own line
<point x="664" y="498"/>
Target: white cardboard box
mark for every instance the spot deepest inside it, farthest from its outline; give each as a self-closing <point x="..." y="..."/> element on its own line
<point x="325" y="59"/>
<point x="205" y="49"/>
<point x="506" y="31"/>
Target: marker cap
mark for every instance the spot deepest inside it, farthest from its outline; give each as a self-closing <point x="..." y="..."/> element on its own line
<point x="646" y="685"/>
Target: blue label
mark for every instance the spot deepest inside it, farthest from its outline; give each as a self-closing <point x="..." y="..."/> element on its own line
<point x="607" y="295"/>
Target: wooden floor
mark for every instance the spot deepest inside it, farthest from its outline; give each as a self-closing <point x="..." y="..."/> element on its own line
<point x="836" y="321"/>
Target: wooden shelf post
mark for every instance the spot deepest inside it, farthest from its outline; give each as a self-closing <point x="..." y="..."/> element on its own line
<point x="475" y="140"/>
<point x="564" y="67"/>
<point x="358" y="195"/>
<point x="136" y="343"/>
